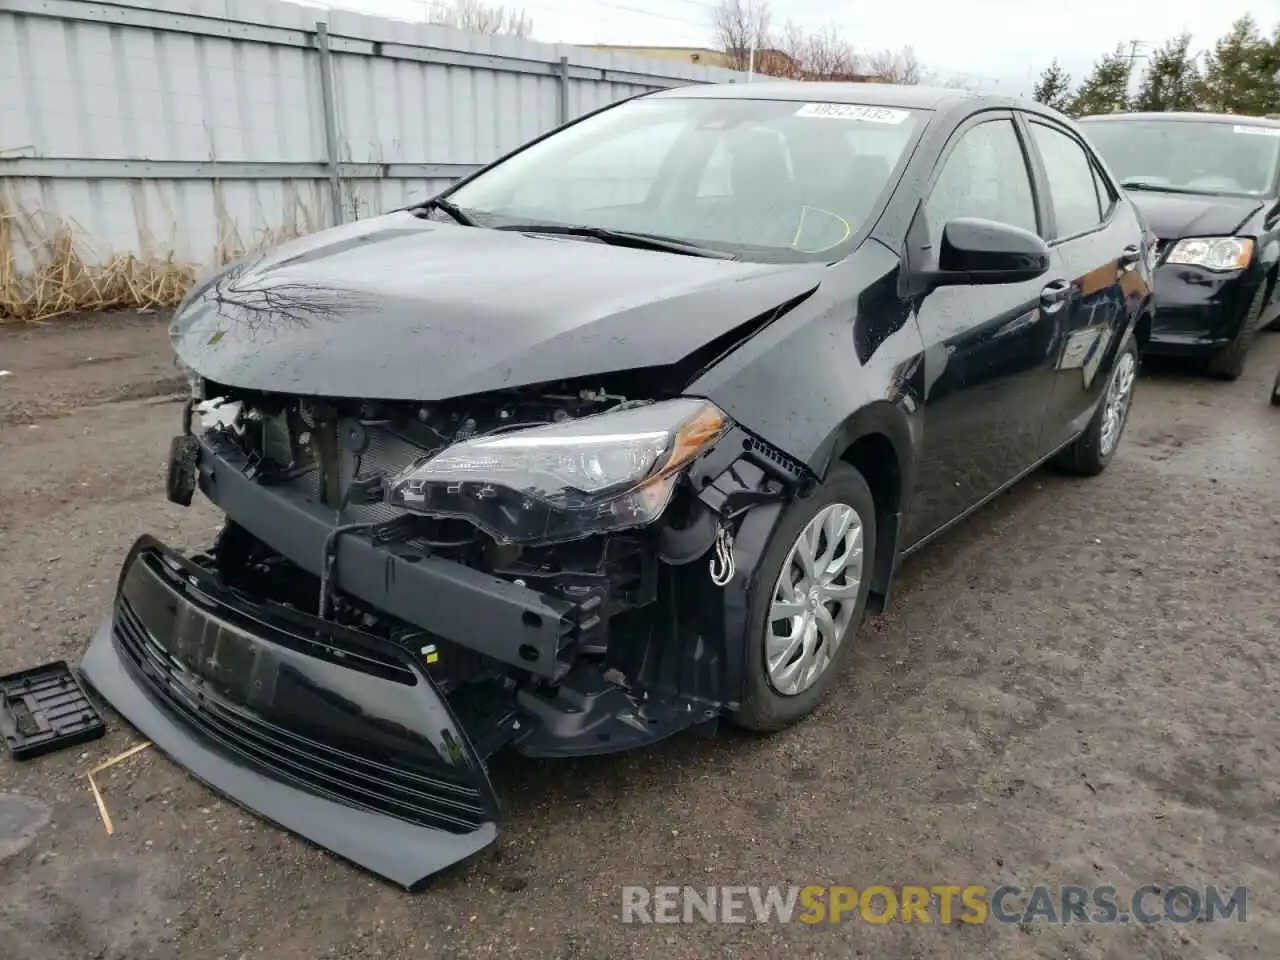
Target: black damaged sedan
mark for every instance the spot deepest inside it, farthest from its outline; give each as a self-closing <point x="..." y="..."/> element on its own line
<point x="1208" y="187"/>
<point x="619" y="437"/>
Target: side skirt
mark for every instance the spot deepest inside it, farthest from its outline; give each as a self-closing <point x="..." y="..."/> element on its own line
<point x="924" y="541"/>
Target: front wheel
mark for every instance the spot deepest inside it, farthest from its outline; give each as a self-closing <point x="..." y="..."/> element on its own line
<point x="1093" y="449"/>
<point x="1228" y="363"/>
<point x="813" y="577"/>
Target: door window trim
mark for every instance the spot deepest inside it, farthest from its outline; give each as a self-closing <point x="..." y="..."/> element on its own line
<point x="1027" y="118"/>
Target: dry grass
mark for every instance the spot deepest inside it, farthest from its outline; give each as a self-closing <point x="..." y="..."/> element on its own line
<point x="299" y="219"/>
<point x="62" y="283"/>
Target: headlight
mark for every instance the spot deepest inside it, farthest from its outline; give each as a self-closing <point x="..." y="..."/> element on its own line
<point x="566" y="480"/>
<point x="1213" y="253"/>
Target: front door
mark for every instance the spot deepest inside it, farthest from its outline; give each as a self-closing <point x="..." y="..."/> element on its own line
<point x="987" y="348"/>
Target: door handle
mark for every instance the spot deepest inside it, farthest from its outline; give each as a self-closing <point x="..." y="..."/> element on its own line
<point x="1054" y="296"/>
<point x="1129" y="256"/>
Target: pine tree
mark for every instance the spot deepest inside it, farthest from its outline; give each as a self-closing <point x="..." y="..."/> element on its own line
<point x="1171" y="80"/>
<point x="1054" y="87"/>
<point x="1269" y="69"/>
<point x="1239" y="75"/>
<point x="1106" y="89"/>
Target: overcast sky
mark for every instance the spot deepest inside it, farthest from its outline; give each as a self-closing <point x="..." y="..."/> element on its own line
<point x="997" y="45"/>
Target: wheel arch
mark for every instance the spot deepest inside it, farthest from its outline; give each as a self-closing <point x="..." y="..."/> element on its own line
<point x="1270" y="304"/>
<point x="877" y="442"/>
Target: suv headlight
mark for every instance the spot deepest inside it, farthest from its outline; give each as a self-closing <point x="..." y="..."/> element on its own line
<point x="566" y="480"/>
<point x="1213" y="253"/>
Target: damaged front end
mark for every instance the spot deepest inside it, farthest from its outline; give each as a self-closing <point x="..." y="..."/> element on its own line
<point x="401" y="590"/>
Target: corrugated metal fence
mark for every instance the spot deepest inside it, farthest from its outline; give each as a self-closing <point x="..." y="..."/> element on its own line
<point x="196" y="129"/>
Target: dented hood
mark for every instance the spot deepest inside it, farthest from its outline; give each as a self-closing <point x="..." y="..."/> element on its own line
<point x="400" y="308"/>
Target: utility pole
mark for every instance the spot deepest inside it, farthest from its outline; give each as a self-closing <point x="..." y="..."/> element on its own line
<point x="1133" y="55"/>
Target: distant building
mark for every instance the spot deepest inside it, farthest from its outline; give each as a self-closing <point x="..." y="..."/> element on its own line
<point x="845" y="77"/>
<point x="768" y="61"/>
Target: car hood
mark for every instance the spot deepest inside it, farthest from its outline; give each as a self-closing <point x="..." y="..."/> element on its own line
<point x="401" y="308"/>
<point x="1174" y="216"/>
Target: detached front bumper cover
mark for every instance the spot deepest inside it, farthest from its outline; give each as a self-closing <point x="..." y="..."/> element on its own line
<point x="337" y="736"/>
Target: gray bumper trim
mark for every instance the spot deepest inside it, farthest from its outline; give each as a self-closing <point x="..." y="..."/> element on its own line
<point x="402" y="852"/>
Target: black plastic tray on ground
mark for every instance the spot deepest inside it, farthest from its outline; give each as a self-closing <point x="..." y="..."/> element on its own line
<point x="44" y="709"/>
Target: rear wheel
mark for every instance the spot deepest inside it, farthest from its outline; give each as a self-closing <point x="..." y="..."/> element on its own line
<point x="1093" y="449"/>
<point x="815" y="575"/>
<point x="1228" y="363"/>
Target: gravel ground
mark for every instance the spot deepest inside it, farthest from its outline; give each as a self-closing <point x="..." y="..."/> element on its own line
<point x="1075" y="686"/>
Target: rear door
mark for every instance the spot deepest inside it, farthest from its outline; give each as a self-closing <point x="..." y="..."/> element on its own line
<point x="1095" y="242"/>
<point x="987" y="351"/>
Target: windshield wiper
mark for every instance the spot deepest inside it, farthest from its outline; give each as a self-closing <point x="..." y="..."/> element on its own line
<point x="449" y="207"/>
<point x="1157" y="187"/>
<point x="621" y="238"/>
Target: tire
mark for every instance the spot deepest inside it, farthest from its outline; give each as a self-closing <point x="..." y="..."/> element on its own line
<point x="1275" y="392"/>
<point x="1274" y="325"/>
<point x="1088" y="455"/>
<point x="1228" y="363"/>
<point x="764" y="707"/>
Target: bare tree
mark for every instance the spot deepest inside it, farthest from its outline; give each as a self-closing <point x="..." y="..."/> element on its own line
<point x="822" y="55"/>
<point x="896" y="66"/>
<point x="740" y="26"/>
<point x="475" y="16"/>
<point x="793" y="43"/>
<point x="831" y="55"/>
<point x="795" y="52"/>
<point x="954" y="80"/>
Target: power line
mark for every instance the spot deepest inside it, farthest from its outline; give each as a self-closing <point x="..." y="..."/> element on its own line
<point x="705" y="4"/>
<point x="705" y="24"/>
<point x="445" y="6"/>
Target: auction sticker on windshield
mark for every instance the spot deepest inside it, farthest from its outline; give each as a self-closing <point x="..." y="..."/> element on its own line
<point x="1258" y="131"/>
<point x="853" y="111"/>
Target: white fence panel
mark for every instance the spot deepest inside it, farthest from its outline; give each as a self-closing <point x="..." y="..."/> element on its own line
<point x="192" y="130"/>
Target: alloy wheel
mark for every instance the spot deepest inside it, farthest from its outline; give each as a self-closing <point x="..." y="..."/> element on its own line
<point x="1119" y="395"/>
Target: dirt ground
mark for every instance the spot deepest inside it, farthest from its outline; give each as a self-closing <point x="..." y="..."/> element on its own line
<point x="1078" y="685"/>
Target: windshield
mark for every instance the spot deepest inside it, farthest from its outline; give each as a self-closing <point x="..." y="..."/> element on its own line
<point x="1191" y="156"/>
<point x="760" y="179"/>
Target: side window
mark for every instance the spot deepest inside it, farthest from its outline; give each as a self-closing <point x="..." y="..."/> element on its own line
<point x="985" y="175"/>
<point x="1073" y="186"/>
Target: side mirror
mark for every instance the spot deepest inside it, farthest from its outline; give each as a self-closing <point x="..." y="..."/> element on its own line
<point x="985" y="251"/>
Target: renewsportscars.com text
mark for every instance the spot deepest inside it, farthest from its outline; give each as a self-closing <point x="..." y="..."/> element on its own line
<point x="942" y="903"/>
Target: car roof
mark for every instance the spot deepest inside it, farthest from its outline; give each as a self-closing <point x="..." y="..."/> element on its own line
<point x="1186" y="117"/>
<point x="874" y="94"/>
